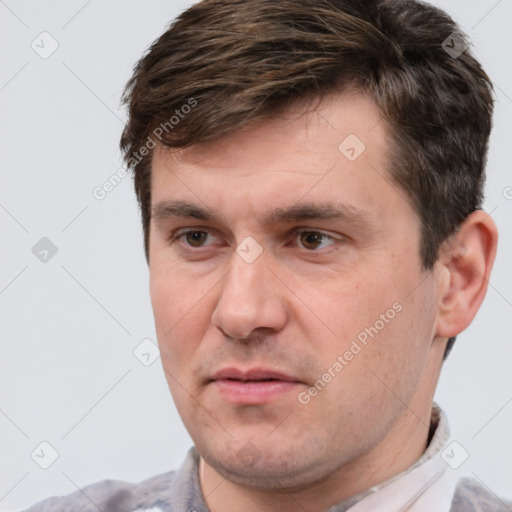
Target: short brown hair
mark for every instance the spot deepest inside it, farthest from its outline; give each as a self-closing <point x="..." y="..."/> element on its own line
<point x="232" y="62"/>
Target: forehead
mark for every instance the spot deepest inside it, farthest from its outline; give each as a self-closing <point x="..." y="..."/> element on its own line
<point x="314" y="125"/>
<point x="328" y="158"/>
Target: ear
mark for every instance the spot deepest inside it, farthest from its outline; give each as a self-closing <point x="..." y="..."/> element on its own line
<point x="465" y="261"/>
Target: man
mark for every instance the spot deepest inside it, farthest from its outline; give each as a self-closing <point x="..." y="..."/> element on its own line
<point x="310" y="177"/>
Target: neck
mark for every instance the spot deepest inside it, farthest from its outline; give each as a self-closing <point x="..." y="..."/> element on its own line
<point x="404" y="445"/>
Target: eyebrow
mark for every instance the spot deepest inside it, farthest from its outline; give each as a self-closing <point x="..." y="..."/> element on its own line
<point x="305" y="211"/>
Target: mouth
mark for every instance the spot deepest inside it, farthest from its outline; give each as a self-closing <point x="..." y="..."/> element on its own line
<point x="254" y="375"/>
<point x="253" y="386"/>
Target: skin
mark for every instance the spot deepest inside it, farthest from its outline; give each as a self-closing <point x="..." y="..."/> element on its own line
<point x="301" y="304"/>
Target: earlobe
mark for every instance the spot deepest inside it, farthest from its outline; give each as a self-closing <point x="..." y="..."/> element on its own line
<point x="466" y="262"/>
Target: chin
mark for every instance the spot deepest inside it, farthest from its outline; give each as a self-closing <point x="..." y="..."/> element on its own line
<point x="266" y="467"/>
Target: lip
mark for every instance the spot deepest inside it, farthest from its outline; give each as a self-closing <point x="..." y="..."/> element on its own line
<point x="252" y="374"/>
<point x="253" y="386"/>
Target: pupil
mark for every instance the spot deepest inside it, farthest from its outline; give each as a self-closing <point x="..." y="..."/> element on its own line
<point x="311" y="238"/>
<point x="196" y="236"/>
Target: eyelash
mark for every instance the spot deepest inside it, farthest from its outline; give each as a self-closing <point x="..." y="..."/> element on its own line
<point x="297" y="232"/>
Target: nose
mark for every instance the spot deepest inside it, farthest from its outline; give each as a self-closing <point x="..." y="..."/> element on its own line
<point x="251" y="297"/>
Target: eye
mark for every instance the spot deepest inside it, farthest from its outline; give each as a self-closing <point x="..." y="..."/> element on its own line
<point x="193" y="238"/>
<point x="312" y="240"/>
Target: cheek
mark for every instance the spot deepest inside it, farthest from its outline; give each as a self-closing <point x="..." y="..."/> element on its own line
<point x="179" y="318"/>
<point x="367" y="319"/>
<point x="336" y="310"/>
<point x="174" y="297"/>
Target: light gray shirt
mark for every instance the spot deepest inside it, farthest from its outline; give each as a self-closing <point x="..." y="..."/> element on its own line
<point x="429" y="485"/>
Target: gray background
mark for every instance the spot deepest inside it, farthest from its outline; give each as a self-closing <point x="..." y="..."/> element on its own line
<point x="68" y="374"/>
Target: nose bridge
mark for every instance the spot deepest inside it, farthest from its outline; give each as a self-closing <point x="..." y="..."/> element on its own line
<point x="245" y="284"/>
<point x="248" y="298"/>
<point x="243" y="270"/>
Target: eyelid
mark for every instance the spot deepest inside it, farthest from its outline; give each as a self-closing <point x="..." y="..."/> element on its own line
<point x="178" y="233"/>
<point x="327" y="234"/>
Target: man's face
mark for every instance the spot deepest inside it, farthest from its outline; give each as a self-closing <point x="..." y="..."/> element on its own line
<point x="340" y="305"/>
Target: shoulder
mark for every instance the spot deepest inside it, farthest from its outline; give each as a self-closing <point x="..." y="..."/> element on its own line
<point x="151" y="495"/>
<point x="472" y="496"/>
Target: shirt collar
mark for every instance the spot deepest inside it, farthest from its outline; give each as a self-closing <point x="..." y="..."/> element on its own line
<point x="425" y="486"/>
